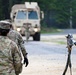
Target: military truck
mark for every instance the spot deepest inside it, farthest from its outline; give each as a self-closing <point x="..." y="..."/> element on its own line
<point x="26" y="17"/>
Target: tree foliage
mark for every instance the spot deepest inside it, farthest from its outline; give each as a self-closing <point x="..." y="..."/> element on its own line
<point x="57" y="12"/>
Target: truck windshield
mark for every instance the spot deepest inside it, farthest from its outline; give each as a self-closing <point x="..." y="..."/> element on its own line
<point x="21" y="15"/>
<point x="32" y="15"/>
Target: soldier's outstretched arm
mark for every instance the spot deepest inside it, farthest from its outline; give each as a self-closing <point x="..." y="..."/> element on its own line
<point x="23" y="50"/>
<point x="21" y="44"/>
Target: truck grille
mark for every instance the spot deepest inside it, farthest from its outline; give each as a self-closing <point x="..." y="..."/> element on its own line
<point x="27" y="25"/>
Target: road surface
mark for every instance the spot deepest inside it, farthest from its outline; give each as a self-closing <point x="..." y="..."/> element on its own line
<point x="48" y="58"/>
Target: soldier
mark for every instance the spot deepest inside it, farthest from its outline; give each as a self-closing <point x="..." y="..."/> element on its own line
<point x="70" y="43"/>
<point x="17" y="38"/>
<point x="10" y="58"/>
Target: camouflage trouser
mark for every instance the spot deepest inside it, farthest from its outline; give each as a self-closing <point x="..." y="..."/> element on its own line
<point x="8" y="73"/>
<point x="17" y="73"/>
<point x="27" y="34"/>
<point x="20" y="70"/>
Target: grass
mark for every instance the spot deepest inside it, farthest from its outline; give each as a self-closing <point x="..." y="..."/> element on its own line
<point x="50" y="30"/>
<point x="60" y="42"/>
<point x="55" y="41"/>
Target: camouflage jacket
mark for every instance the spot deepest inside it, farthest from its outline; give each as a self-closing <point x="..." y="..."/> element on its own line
<point x="17" y="38"/>
<point x="10" y="58"/>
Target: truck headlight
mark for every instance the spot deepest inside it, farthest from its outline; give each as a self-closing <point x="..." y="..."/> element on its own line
<point x="36" y="29"/>
<point x="18" y="29"/>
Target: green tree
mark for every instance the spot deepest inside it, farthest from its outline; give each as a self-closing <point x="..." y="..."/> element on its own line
<point x="58" y="13"/>
<point x="1" y="15"/>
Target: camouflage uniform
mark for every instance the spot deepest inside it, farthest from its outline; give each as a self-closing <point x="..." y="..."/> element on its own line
<point x="17" y="38"/>
<point x="10" y="58"/>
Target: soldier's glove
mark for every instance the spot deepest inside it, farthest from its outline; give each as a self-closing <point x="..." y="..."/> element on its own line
<point x="26" y="61"/>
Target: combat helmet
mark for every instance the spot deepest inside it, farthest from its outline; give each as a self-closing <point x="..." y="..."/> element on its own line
<point x="5" y="24"/>
<point x="69" y="36"/>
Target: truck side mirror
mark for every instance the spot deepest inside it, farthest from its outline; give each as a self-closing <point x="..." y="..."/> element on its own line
<point x="42" y="15"/>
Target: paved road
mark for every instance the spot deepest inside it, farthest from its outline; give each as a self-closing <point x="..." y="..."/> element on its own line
<point x="47" y="59"/>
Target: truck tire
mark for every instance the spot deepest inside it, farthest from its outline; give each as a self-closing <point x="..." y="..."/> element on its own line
<point x="36" y="37"/>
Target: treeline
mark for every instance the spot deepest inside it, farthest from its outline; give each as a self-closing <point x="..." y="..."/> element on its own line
<point x="58" y="13"/>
